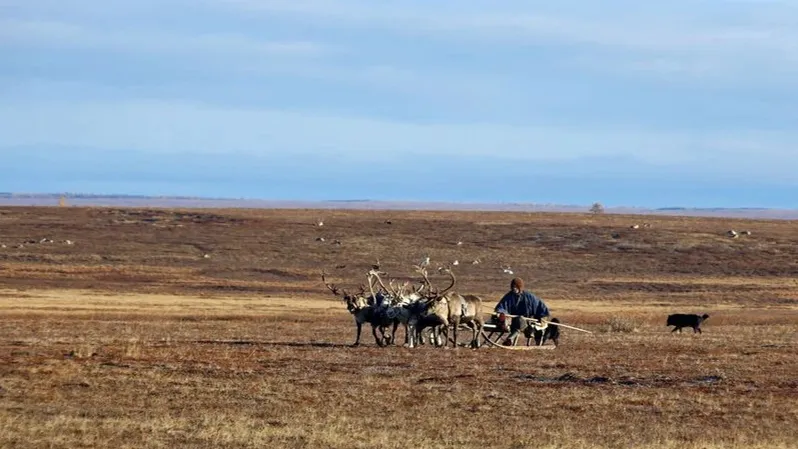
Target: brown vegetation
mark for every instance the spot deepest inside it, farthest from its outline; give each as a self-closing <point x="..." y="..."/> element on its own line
<point x="131" y="337"/>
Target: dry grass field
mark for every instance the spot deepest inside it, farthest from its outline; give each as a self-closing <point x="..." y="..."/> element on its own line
<point x="130" y="337"/>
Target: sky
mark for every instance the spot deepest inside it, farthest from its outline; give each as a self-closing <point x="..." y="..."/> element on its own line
<point x="652" y="104"/>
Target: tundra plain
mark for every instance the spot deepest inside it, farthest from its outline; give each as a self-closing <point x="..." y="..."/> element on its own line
<point x="211" y="328"/>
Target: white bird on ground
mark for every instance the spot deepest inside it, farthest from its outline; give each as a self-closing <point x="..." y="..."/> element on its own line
<point x="507" y="270"/>
<point x="459" y="243"/>
<point x="456" y="262"/>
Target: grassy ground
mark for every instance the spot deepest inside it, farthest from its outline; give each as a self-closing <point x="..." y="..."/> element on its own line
<point x="131" y="338"/>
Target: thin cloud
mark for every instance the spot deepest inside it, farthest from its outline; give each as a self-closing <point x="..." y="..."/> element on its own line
<point x="615" y="24"/>
<point x="60" y="35"/>
<point x="159" y="127"/>
<point x="680" y="39"/>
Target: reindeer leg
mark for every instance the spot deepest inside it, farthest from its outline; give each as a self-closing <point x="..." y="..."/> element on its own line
<point x="393" y="333"/>
<point x="386" y="337"/>
<point x="376" y="337"/>
<point x="443" y="336"/>
<point x="437" y="331"/>
<point x="357" y="339"/>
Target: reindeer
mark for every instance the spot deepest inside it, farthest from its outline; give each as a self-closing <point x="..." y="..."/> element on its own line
<point x="358" y="305"/>
<point x="447" y="308"/>
<point x="397" y="310"/>
<point x="431" y="311"/>
<point x="381" y="303"/>
<point x="466" y="310"/>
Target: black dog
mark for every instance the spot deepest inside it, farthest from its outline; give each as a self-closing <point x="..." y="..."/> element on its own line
<point x="552" y="332"/>
<point x="680" y="320"/>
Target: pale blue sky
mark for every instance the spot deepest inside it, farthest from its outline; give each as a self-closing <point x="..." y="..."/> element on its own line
<point x="690" y="103"/>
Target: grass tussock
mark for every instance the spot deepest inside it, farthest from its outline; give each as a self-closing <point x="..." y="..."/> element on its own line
<point x="620" y="324"/>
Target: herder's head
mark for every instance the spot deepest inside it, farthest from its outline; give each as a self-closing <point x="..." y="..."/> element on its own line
<point x="517" y="285"/>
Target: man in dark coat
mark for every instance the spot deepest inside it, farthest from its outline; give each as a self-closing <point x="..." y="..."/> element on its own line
<point x="521" y="303"/>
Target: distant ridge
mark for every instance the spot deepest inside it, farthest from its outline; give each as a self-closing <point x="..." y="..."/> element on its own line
<point x="124" y="200"/>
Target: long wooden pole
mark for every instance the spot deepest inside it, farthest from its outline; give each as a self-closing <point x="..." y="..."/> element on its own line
<point x="569" y="327"/>
<point x="545" y="321"/>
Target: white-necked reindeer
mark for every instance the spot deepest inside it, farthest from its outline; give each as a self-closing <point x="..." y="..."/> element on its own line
<point x="397" y="304"/>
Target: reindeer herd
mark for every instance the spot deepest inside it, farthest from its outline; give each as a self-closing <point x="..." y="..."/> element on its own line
<point x="418" y="308"/>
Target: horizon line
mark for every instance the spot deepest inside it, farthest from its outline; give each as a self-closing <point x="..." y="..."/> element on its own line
<point x="361" y="201"/>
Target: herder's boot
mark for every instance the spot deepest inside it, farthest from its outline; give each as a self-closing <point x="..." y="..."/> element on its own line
<point x="512" y="339"/>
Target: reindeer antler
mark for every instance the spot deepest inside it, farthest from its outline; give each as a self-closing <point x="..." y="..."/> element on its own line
<point x="399" y="288"/>
<point x="420" y="288"/>
<point x="454" y="281"/>
<point x="332" y="287"/>
<point x="433" y="292"/>
<point x="425" y="281"/>
<point x="370" y="277"/>
<point x="376" y="274"/>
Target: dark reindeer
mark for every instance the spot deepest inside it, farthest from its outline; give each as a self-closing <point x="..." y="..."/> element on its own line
<point x="358" y="306"/>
